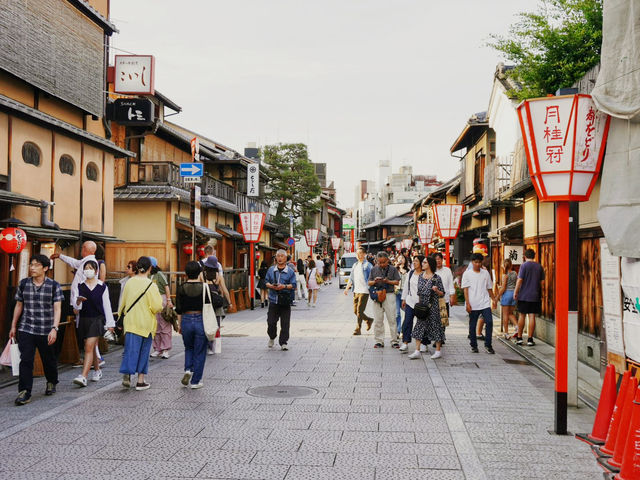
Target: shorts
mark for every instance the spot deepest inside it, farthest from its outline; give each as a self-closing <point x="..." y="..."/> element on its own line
<point x="507" y="300"/>
<point x="90" y="327"/>
<point x="528" y="307"/>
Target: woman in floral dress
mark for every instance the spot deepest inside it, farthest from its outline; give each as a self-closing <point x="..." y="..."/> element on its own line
<point x="430" y="288"/>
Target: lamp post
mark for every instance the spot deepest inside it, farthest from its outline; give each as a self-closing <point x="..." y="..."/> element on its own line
<point x="335" y="245"/>
<point x="448" y="219"/>
<point x="564" y="138"/>
<point x="311" y="237"/>
<point x="425" y="234"/>
<point x="251" y="224"/>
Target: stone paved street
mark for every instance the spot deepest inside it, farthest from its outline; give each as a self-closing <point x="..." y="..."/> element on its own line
<point x="373" y="414"/>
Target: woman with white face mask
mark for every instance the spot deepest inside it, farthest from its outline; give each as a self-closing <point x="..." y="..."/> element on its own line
<point x="95" y="315"/>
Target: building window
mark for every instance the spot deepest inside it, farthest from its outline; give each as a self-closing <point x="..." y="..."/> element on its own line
<point x="67" y="165"/>
<point x="92" y="172"/>
<point x="31" y="153"/>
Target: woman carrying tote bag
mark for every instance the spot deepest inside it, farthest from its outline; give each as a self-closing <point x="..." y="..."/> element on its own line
<point x="139" y="305"/>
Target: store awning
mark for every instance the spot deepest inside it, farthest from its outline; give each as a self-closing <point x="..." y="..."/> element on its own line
<point x="50" y="233"/>
<point x="101" y="237"/>
<point x="374" y="244"/>
<point x="390" y="241"/>
<point x="184" y="224"/>
<point x="279" y="245"/>
<point x="229" y="232"/>
<point x="13" y="198"/>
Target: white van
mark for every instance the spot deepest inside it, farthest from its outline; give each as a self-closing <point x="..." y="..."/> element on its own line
<point x="347" y="261"/>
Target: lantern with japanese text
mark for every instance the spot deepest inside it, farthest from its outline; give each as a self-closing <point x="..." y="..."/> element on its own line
<point x="335" y="245"/>
<point x="13" y="240"/>
<point x="407" y="243"/>
<point x="398" y="246"/>
<point x="564" y="139"/>
<point x="448" y="219"/>
<point x="425" y="232"/>
<point x="347" y="246"/>
<point x="252" y="224"/>
<point x="311" y="236"/>
<point x="187" y="248"/>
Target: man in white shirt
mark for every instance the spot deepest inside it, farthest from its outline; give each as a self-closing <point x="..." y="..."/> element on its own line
<point x="447" y="280"/>
<point x="359" y="279"/>
<point x="479" y="298"/>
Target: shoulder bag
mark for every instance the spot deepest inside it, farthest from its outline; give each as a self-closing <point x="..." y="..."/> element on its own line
<point x="283" y="296"/>
<point x="378" y="294"/>
<point x="120" y="321"/>
<point x="319" y="279"/>
<point x="422" y="309"/>
<point x="444" y="314"/>
<point x="209" y="320"/>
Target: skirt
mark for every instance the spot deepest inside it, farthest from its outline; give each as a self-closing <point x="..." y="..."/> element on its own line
<point x="89" y="327"/>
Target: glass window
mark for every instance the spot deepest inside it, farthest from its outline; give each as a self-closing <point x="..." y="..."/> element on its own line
<point x="348" y="262"/>
<point x="31" y="153"/>
<point x="92" y="172"/>
<point x="67" y="165"/>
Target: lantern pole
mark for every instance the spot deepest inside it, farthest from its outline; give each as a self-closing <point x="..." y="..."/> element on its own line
<point x="446" y="252"/>
<point x="562" y="315"/>
<point x="251" y="273"/>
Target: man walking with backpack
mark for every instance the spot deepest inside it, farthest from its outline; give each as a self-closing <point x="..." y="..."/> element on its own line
<point x="382" y="281"/>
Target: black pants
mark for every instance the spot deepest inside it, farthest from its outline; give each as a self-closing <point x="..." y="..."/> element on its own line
<point x="28" y="344"/>
<point x="282" y="313"/>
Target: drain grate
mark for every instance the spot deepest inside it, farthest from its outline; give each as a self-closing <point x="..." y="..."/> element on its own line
<point x="514" y="361"/>
<point x="465" y="365"/>
<point x="234" y="335"/>
<point x="282" y="391"/>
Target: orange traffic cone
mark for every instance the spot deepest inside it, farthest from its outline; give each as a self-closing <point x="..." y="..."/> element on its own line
<point x="631" y="459"/>
<point x="606" y="404"/>
<point x="610" y="444"/>
<point x="614" y="463"/>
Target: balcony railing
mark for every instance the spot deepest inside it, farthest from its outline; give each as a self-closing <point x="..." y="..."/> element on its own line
<point x="167" y="173"/>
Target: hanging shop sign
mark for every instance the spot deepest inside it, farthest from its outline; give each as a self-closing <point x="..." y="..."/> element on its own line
<point x="134" y="74"/>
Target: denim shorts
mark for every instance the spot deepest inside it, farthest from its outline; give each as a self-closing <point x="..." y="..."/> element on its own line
<point x="507" y="300"/>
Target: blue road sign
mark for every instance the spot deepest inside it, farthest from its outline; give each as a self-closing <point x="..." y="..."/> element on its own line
<point x="191" y="169"/>
<point x="291" y="241"/>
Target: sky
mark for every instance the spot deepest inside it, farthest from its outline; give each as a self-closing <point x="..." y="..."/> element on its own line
<point x="358" y="81"/>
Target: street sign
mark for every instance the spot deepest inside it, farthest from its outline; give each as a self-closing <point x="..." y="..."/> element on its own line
<point x="191" y="169"/>
<point x="192" y="179"/>
<point x="195" y="206"/>
<point x="291" y="241"/>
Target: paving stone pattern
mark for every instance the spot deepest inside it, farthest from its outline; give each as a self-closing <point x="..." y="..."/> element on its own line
<point x="376" y="414"/>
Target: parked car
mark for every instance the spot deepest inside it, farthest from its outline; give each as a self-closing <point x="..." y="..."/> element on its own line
<point x="347" y="261"/>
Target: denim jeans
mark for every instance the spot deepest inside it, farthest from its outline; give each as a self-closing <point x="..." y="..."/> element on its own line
<point x="407" y="325"/>
<point x="195" y="345"/>
<point x="473" y="322"/>
<point x="399" y="312"/>
<point x="135" y="358"/>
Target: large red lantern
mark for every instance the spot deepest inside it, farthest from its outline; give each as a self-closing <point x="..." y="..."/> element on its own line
<point x="187" y="248"/>
<point x="13" y="240"/>
<point x="201" y="250"/>
<point x="564" y="139"/>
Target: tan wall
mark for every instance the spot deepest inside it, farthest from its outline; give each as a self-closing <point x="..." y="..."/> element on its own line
<point x="4" y="144"/>
<point x="66" y="188"/>
<point x="16" y="89"/>
<point x="155" y="149"/>
<point x="95" y="126"/>
<point x="108" y="193"/>
<point x="140" y="221"/>
<point x="101" y="6"/>
<point x="92" y="191"/>
<point x="547" y="218"/>
<point x="28" y="179"/>
<point x="588" y="211"/>
<point x="530" y="214"/>
<point x="63" y="111"/>
<point x="117" y="255"/>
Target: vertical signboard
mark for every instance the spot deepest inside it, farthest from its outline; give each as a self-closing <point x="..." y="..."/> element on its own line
<point x="253" y="180"/>
<point x="612" y="309"/>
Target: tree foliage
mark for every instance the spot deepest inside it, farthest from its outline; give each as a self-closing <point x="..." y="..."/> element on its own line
<point x="293" y="185"/>
<point x="553" y="47"/>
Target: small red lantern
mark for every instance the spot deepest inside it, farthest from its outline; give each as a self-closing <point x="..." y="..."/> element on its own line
<point x="13" y="240"/>
<point x="257" y="254"/>
<point x="201" y="250"/>
<point x="187" y="248"/>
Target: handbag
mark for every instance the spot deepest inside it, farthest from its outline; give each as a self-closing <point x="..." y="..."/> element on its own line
<point x="444" y="314"/>
<point x="170" y="316"/>
<point x="209" y="320"/>
<point x="378" y="294"/>
<point x="5" y="358"/>
<point x="283" y="296"/>
<point x="120" y="320"/>
<point x="11" y="357"/>
<point x="319" y="279"/>
<point x="217" y="343"/>
<point x="421" y="310"/>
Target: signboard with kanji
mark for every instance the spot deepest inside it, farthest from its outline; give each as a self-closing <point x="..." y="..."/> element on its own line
<point x="311" y="236"/>
<point x="448" y="218"/>
<point x="425" y="232"/>
<point x="134" y="74"/>
<point x="253" y="180"/>
<point x="564" y="140"/>
<point x="347" y="246"/>
<point x="515" y="253"/>
<point x="251" y="224"/>
<point x="407" y="243"/>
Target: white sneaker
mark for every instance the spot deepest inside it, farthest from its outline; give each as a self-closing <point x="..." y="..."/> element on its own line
<point x="403" y="348"/>
<point x="271" y="342"/>
<point x="195" y="386"/>
<point x="415" y="355"/>
<point x="97" y="376"/>
<point x="80" y="380"/>
<point x="186" y="377"/>
<point x="423" y="348"/>
<point x="284" y="347"/>
<point x="155" y="354"/>
<point x="437" y="354"/>
<point x="210" y="352"/>
<point x="102" y="362"/>
<point x="165" y="354"/>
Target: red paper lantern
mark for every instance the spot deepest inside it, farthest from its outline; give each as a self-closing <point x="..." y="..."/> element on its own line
<point x="13" y="240"/>
<point x="187" y="248"/>
<point x="201" y="250"/>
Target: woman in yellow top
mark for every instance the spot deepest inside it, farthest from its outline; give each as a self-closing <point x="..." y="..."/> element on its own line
<point x="139" y="305"/>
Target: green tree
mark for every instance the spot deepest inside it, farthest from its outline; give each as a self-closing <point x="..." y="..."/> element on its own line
<point x="293" y="185"/>
<point x="553" y="47"/>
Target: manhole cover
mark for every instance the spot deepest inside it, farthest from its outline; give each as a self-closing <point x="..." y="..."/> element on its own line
<point x="235" y="335"/>
<point x="282" y="391"/>
<point x="514" y="361"/>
